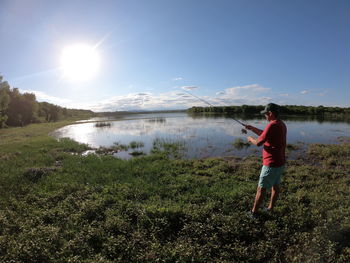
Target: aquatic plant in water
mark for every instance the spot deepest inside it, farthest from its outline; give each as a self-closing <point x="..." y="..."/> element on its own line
<point x="137" y="153"/>
<point x="103" y="124"/>
<point x="171" y="148"/>
<point x="135" y="144"/>
<point x="240" y="144"/>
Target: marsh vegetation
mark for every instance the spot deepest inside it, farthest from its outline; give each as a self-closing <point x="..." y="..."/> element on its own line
<point x="59" y="207"/>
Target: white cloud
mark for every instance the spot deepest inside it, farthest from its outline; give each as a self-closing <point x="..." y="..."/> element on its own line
<point x="189" y="88"/>
<point x="250" y="94"/>
<point x="321" y="94"/>
<point x="244" y="91"/>
<point x="144" y="101"/>
<point x="177" y="79"/>
<point x="304" y="92"/>
<point x="42" y="96"/>
<point x="284" y="95"/>
<point x="164" y="101"/>
<point x="253" y="94"/>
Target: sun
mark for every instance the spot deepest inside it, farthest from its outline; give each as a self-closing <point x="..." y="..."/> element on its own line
<point x="80" y="62"/>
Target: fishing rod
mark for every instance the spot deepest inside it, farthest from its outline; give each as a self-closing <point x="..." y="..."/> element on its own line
<point x="211" y="105"/>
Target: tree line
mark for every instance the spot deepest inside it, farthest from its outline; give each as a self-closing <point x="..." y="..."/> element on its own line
<point x="286" y="110"/>
<point x="17" y="109"/>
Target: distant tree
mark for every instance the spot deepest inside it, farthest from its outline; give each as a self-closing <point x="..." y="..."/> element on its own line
<point x="44" y="111"/>
<point x="54" y="112"/>
<point x="4" y="101"/>
<point x="320" y="110"/>
<point x="29" y="108"/>
<point x="18" y="109"/>
<point x="50" y="112"/>
<point x="65" y="112"/>
<point x="285" y="110"/>
<point x="22" y="109"/>
<point x="14" y="109"/>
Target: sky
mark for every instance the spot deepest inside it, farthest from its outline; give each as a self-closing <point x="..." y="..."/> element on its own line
<point x="151" y="53"/>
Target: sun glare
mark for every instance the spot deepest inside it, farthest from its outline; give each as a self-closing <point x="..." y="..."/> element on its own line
<point x="79" y="62"/>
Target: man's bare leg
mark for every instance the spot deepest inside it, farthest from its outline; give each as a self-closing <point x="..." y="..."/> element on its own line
<point x="259" y="198"/>
<point x="274" y="195"/>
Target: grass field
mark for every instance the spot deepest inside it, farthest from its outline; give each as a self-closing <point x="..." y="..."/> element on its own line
<point x="58" y="206"/>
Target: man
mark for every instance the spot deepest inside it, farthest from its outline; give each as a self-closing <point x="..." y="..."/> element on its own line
<point x="273" y="137"/>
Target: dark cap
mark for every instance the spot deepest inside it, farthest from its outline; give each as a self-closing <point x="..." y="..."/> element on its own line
<point x="271" y="107"/>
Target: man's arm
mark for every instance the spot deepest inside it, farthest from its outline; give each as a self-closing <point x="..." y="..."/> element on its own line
<point x="254" y="141"/>
<point x="263" y="137"/>
<point x="253" y="129"/>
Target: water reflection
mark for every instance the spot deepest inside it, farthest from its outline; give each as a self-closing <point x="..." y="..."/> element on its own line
<point x="204" y="136"/>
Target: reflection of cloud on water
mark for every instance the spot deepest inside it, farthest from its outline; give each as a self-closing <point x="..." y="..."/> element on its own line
<point x="179" y="128"/>
<point x="335" y="130"/>
<point x="303" y="133"/>
<point x="185" y="128"/>
<point x="144" y="127"/>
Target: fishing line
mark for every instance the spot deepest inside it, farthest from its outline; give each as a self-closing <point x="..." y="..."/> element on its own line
<point x="211" y="105"/>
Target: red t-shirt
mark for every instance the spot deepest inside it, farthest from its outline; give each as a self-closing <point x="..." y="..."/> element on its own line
<point x="274" y="139"/>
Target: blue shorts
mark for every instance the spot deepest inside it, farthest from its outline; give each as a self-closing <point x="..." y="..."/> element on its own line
<point x="270" y="176"/>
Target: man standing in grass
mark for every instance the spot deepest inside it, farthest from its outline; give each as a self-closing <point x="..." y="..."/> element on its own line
<point x="273" y="137"/>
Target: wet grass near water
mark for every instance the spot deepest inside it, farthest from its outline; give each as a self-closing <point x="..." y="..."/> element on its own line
<point x="59" y="207"/>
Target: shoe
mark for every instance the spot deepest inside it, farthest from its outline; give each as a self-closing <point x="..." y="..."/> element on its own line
<point x="252" y="215"/>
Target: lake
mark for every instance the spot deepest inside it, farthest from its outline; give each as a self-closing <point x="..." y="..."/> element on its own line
<point x="203" y="136"/>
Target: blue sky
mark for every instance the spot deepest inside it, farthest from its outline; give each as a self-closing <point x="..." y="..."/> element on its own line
<point x="230" y="52"/>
